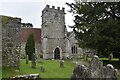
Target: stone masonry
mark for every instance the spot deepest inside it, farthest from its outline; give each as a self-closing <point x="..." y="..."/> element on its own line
<point x="95" y="71"/>
<point x="10" y="41"/>
<point x="53" y="32"/>
<point x="0" y="47"/>
<point x="56" y="41"/>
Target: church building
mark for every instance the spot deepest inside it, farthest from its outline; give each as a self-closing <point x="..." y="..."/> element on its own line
<point x="56" y="41"/>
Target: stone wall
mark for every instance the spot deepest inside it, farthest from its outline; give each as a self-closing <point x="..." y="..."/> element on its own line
<point x="10" y="41"/>
<point x="0" y="47"/>
<point x="95" y="70"/>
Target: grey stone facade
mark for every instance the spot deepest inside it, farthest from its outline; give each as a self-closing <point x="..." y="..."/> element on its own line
<point x="53" y="32"/>
<point x="10" y="41"/>
<point x="56" y="41"/>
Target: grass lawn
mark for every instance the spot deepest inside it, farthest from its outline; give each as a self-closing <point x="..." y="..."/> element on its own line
<point x="52" y="69"/>
<point x="113" y="59"/>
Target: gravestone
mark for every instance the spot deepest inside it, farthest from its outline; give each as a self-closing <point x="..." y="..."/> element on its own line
<point x="109" y="72"/>
<point x="27" y="59"/>
<point x="95" y="67"/>
<point x="42" y="69"/>
<point x="61" y="63"/>
<point x="33" y="61"/>
<point x="95" y="71"/>
<point x="80" y="72"/>
<point x="110" y="57"/>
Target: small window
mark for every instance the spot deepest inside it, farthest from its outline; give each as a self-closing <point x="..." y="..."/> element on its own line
<point x="45" y="25"/>
<point x="74" y="50"/>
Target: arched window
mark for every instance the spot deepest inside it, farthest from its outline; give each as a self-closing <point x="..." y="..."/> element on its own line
<point x="74" y="50"/>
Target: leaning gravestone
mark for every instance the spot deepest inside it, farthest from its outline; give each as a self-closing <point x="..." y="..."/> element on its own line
<point x="27" y="59"/>
<point x="33" y="61"/>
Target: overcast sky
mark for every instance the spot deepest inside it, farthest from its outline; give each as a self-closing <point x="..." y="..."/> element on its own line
<point x="30" y="10"/>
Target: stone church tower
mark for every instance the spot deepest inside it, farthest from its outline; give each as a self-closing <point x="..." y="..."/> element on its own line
<point x="53" y="33"/>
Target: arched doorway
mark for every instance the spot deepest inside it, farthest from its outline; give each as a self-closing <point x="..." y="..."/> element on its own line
<point x="57" y="53"/>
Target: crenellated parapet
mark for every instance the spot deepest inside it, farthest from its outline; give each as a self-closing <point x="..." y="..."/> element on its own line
<point x="48" y="7"/>
<point x="53" y="7"/>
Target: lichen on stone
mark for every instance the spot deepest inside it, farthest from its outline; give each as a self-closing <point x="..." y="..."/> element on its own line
<point x="4" y="21"/>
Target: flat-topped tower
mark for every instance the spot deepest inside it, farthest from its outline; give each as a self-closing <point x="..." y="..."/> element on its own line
<point x="53" y="32"/>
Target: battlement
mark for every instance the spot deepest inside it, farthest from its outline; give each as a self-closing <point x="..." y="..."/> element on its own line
<point x="53" y="8"/>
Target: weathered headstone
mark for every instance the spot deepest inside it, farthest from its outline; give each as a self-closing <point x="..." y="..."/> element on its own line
<point x="80" y="73"/>
<point x="110" y="57"/>
<point x="94" y="71"/>
<point x="42" y="69"/>
<point x="27" y="59"/>
<point x="33" y="61"/>
<point x="61" y="63"/>
<point x="109" y="72"/>
<point x="95" y="67"/>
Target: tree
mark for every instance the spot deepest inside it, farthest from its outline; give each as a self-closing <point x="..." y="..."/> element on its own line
<point x="30" y="46"/>
<point x="97" y="26"/>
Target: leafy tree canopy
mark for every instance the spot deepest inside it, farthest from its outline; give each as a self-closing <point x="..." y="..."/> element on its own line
<point x="97" y="25"/>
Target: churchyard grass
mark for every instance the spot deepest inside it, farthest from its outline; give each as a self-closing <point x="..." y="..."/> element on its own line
<point x="113" y="59"/>
<point x="52" y="69"/>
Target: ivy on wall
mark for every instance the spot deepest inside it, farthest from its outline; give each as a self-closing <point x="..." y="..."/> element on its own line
<point x="4" y="20"/>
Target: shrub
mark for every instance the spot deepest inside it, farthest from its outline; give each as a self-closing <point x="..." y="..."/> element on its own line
<point x="30" y="46"/>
